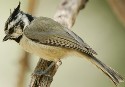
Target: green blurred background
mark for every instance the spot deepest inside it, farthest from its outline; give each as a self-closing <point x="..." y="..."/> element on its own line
<point x="97" y="25"/>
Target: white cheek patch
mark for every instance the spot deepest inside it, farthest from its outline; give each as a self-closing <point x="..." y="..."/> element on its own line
<point x="25" y="20"/>
<point x="19" y="31"/>
<point x="15" y="35"/>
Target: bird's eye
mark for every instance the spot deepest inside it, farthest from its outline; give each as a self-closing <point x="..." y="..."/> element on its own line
<point x="11" y="30"/>
<point x="21" y="25"/>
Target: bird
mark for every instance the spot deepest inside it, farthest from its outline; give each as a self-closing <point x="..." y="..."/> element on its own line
<point x="51" y="41"/>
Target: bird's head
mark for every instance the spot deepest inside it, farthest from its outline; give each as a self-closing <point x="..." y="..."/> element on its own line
<point x="16" y="23"/>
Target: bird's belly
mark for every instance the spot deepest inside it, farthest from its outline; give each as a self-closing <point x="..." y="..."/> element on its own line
<point x="46" y="52"/>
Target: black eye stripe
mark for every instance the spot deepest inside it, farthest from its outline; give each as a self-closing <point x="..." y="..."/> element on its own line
<point x="22" y="24"/>
<point x="17" y="23"/>
<point x="11" y="30"/>
<point x="15" y="18"/>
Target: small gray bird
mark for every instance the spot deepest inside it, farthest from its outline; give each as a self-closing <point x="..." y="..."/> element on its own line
<point x="50" y="40"/>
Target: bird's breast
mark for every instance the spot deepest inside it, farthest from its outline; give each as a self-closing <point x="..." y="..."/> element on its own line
<point x="51" y="53"/>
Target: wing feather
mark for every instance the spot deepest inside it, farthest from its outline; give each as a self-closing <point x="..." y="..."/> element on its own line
<point x="49" y="32"/>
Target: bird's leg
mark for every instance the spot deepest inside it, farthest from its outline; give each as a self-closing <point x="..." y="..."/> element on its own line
<point x="40" y="72"/>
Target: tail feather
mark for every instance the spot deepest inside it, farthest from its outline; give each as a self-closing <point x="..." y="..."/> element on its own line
<point x="111" y="73"/>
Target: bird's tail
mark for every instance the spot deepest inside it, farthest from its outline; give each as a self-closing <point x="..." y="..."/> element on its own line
<point x="111" y="73"/>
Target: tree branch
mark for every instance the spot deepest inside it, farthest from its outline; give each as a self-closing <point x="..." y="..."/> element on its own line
<point x="65" y="15"/>
<point x="68" y="10"/>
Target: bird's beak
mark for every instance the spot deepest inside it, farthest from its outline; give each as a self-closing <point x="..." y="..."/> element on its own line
<point x="6" y="37"/>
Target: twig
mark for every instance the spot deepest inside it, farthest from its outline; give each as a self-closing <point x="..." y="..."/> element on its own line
<point x="68" y="10"/>
<point x="66" y="15"/>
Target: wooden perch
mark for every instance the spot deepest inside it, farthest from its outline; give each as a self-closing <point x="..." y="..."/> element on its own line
<point x="65" y="15"/>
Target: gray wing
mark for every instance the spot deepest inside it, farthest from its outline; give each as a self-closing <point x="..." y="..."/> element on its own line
<point x="49" y="32"/>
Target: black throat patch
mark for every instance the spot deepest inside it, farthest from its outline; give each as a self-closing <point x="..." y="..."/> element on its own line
<point x="18" y="39"/>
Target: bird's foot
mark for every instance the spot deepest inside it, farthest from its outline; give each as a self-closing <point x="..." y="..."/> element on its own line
<point x="45" y="72"/>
